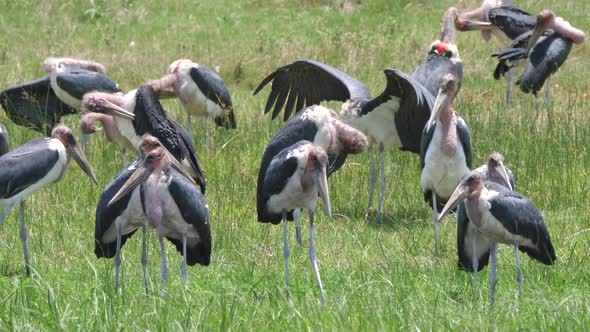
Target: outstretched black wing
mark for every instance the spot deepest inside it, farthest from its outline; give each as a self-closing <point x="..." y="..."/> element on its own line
<point x="307" y="83"/>
<point x="34" y="105"/>
<point x="413" y="111"/>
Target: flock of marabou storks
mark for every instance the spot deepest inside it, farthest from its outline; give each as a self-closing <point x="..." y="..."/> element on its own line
<point x="163" y="188"/>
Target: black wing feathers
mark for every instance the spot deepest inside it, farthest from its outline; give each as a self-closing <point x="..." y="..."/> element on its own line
<point x="34" y="105"/>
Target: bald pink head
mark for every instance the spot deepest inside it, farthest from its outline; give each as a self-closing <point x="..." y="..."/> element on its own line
<point x="548" y="20"/>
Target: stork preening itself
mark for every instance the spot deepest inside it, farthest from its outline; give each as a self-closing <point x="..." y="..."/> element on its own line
<point x="473" y="248"/>
<point x="445" y="153"/>
<point x="149" y="118"/>
<point x="202" y="93"/>
<point x="4" y="140"/>
<point x="504" y="216"/>
<point x="393" y="118"/>
<point x="545" y="52"/>
<point x="320" y="126"/>
<point x="294" y="179"/>
<point x="34" y="165"/>
<point x="169" y="203"/>
<point x="505" y="21"/>
<point x="442" y="58"/>
<point x="117" y="222"/>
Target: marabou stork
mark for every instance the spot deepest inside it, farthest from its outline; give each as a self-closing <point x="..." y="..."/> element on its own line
<point x="320" y="126"/>
<point x="293" y="179"/>
<point x="442" y="58"/>
<point x="545" y="53"/>
<point x="445" y="151"/>
<point x="4" y="140"/>
<point x="201" y="91"/>
<point x="117" y="222"/>
<point x="171" y="205"/>
<point x="150" y="118"/>
<point x="505" y="21"/>
<point x="394" y="118"/>
<point x="473" y="248"/>
<point x="41" y="103"/>
<point x="35" y="164"/>
<point x="504" y="216"/>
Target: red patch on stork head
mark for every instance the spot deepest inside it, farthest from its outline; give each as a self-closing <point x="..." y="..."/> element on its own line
<point x="441" y="47"/>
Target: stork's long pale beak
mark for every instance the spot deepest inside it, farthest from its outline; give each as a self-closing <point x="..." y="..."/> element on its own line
<point x="80" y="159"/>
<point x="116" y="110"/>
<point x="321" y="179"/>
<point x="470" y="25"/>
<point x="504" y="175"/>
<point x="138" y="177"/>
<point x="443" y="102"/>
<point x="457" y="197"/>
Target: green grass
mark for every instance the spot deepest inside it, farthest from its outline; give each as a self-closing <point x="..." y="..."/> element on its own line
<point x="376" y="278"/>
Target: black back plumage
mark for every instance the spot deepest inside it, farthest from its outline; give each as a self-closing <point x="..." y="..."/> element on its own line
<point x="78" y="81"/>
<point x="296" y="130"/>
<point x="34" y="105"/>
<point x="194" y="211"/>
<point x="520" y="216"/>
<point x="307" y="83"/>
<point x="214" y="88"/>
<point x="150" y="118"/>
<point x="25" y="165"/>
<point x="434" y="67"/>
<point x="512" y="20"/>
<point x="106" y="215"/>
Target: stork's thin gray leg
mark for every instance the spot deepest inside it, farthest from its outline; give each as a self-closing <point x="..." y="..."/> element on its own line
<point x="189" y="119"/>
<point x="493" y="268"/>
<point x="297" y="217"/>
<point x="23" y="238"/>
<point x="286" y="250"/>
<point x="519" y="269"/>
<point x="537" y="111"/>
<point x="381" y="185"/>
<point x="124" y="153"/>
<point x="510" y="87"/>
<point x="474" y="261"/>
<point x="548" y="99"/>
<point x="84" y="141"/>
<point x="144" y="258"/>
<point x="207" y="131"/>
<point x="164" y="272"/>
<point x="435" y="222"/>
<point x="314" y="264"/>
<point x="184" y="264"/>
<point x="118" y="256"/>
<point x="373" y="178"/>
<point x="4" y="214"/>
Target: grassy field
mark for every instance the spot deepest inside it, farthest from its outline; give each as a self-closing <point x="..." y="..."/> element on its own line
<point x="376" y="277"/>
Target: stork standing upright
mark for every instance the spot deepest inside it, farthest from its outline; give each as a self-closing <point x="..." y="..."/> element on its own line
<point x="149" y="118"/>
<point x="394" y="118"/>
<point x="320" y="126"/>
<point x="445" y="153"/>
<point x="442" y="58"/>
<point x="117" y="222"/>
<point x="35" y="164"/>
<point x="473" y="248"/>
<point x="544" y="54"/>
<point x="506" y="217"/>
<point x="202" y="93"/>
<point x="294" y="179"/>
<point x="173" y="207"/>
<point x="4" y="140"/>
<point x="503" y="20"/>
